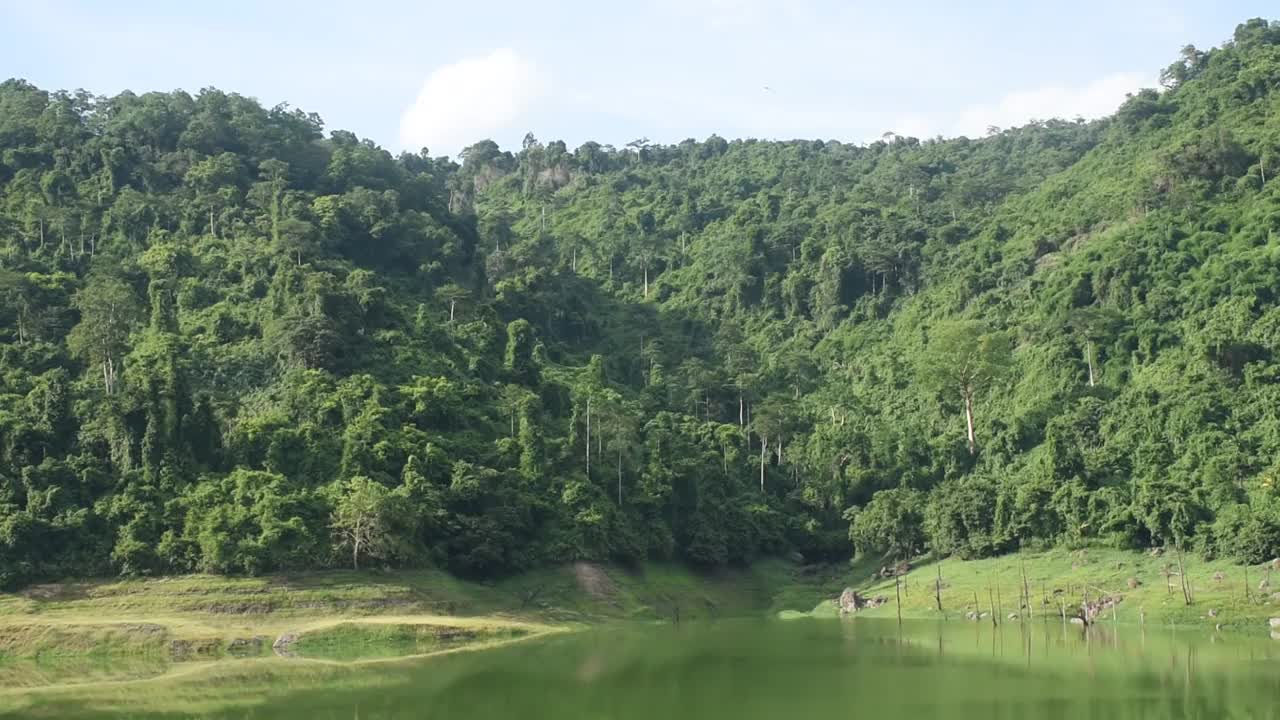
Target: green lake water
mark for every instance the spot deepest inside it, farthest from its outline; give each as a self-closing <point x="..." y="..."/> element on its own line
<point x="726" y="670"/>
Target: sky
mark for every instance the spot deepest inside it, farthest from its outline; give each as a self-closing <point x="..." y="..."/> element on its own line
<point x="445" y="74"/>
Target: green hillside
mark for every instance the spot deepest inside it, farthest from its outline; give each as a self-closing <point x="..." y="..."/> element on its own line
<point x="233" y="343"/>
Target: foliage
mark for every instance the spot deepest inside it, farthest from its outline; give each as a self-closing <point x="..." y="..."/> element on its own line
<point x="892" y="523"/>
<point x="215" y="318"/>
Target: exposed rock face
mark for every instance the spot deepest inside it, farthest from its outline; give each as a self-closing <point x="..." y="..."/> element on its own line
<point x="850" y="601"/>
<point x="246" y="647"/>
<point x="555" y="177"/>
<point x="284" y="644"/>
<point x="181" y="650"/>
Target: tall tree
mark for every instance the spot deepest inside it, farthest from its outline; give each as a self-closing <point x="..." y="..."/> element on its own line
<point x="109" y="310"/>
<point x="966" y="358"/>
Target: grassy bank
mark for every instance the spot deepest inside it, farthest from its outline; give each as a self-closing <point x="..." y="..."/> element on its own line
<point x="195" y="618"/>
<point x="1149" y="588"/>
<point x="207" y="617"/>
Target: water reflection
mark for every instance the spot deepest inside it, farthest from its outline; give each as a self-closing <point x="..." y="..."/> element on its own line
<point x="740" y="670"/>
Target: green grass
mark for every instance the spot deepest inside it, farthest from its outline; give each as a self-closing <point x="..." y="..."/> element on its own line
<point x="204" y="617"/>
<point x="212" y="613"/>
<point x="1069" y="574"/>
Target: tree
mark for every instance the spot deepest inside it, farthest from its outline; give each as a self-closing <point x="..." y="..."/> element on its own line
<point x="361" y="519"/>
<point x="892" y="523"/>
<point x="519" y="355"/>
<point x="108" y="312"/>
<point x="1094" y="325"/>
<point x="451" y="293"/>
<point x="966" y="358"/>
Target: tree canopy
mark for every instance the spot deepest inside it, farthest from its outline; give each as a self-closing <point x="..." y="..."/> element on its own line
<point x="232" y="342"/>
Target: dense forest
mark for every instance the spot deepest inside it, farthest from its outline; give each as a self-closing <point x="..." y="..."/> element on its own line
<point x="231" y="343"/>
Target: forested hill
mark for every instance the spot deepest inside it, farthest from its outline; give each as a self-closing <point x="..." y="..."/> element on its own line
<point x="232" y="343"/>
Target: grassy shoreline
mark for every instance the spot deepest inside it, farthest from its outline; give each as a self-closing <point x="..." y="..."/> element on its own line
<point x="1058" y="579"/>
<point x="205" y="617"/>
<point x="195" y="618"/>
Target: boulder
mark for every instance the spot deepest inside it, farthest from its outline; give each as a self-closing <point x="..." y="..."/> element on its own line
<point x="283" y="646"/>
<point x="245" y="647"/>
<point x="848" y="601"/>
<point x="1274" y="623"/>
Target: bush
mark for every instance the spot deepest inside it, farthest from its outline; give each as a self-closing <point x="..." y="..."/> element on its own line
<point x="1250" y="535"/>
<point x="892" y="523"/>
<point x="960" y="518"/>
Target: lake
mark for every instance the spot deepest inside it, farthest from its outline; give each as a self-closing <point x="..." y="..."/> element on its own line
<point x="732" y="669"/>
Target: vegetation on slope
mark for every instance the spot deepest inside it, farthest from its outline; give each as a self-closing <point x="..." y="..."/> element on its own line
<point x="234" y="345"/>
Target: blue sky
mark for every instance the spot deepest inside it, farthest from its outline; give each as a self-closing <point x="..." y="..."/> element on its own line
<point x="445" y="74"/>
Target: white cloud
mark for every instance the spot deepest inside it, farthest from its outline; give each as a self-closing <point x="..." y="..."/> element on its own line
<point x="1096" y="99"/>
<point x="464" y="102"/>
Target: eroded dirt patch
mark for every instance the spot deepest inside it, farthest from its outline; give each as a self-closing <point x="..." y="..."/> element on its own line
<point x="594" y="580"/>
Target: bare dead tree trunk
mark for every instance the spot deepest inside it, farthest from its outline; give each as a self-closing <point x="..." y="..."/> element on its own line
<point x="1088" y="356"/>
<point x="109" y="374"/>
<point x="968" y="418"/>
<point x="1026" y="591"/>
<point x="937" y="586"/>
<point x="897" y="588"/>
<point x="588" y="437"/>
<point x="1182" y="576"/>
<point x="764" y="445"/>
